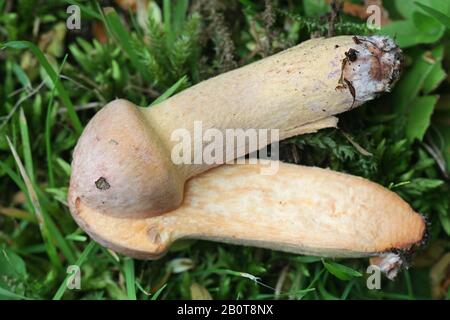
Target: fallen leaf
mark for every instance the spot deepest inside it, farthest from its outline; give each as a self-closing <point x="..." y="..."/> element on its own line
<point x="127" y="5"/>
<point x="52" y="42"/>
<point x="360" y="10"/>
<point x="99" y="32"/>
<point x="199" y="292"/>
<point x="180" y="265"/>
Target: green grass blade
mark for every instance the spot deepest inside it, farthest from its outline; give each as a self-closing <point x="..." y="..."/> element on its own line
<point x="11" y="295"/>
<point x="130" y="278"/>
<point x="48" y="144"/>
<point x="21" y="76"/>
<point x="48" y="227"/>
<point x="18" y="214"/>
<point x="60" y="240"/>
<point x="347" y="289"/>
<point x="409" y="286"/>
<point x="51" y="250"/>
<point x="169" y="92"/>
<point x="47" y="134"/>
<point x="64" y="166"/>
<point x="14" y="176"/>
<point x="158" y="293"/>
<point x="167" y="12"/>
<point x="340" y="271"/>
<point x="26" y="146"/>
<point x="53" y="76"/>
<point x="122" y="36"/>
<point x="179" y="14"/>
<point x="87" y="10"/>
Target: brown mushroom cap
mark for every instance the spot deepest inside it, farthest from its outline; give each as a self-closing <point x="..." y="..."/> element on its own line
<point x="120" y="165"/>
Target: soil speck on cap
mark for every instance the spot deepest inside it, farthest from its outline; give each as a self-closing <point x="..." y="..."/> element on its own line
<point x="102" y="184"/>
<point x="112" y="141"/>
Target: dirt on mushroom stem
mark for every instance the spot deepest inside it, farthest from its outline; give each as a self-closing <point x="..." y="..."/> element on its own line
<point x="364" y="80"/>
<point x="392" y="261"/>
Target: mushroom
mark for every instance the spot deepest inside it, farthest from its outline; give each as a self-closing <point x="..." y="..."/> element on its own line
<point x="301" y="209"/>
<point x="122" y="162"/>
